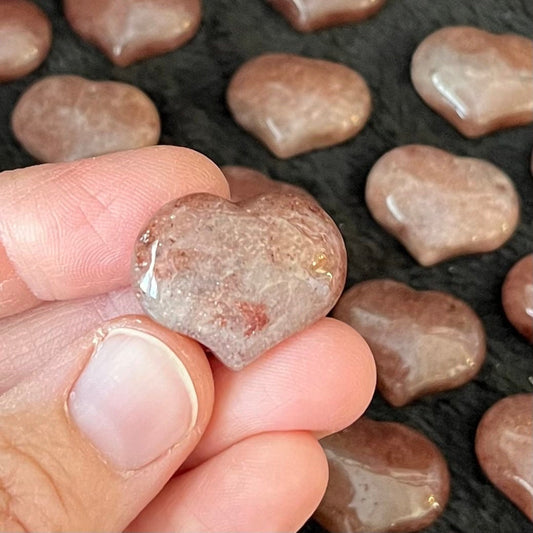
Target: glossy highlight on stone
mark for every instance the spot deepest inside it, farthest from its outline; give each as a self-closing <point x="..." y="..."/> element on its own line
<point x="25" y="38"/>
<point x="130" y="30"/>
<point x="296" y="104"/>
<point x="63" y="118"/>
<point x="504" y="444"/>
<point x="311" y="15"/>
<point x="423" y="341"/>
<point x="383" y="477"/>
<point x="245" y="183"/>
<point x="439" y="205"/>
<point x="239" y="278"/>
<point x="479" y="81"/>
<point x="517" y="296"/>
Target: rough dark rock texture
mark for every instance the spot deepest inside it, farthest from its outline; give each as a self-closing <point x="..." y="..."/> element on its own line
<point x="383" y="477"/>
<point x="480" y="82"/>
<point x="423" y="341"/>
<point x="188" y="86"/>
<point x="63" y="118"/>
<point x="239" y="278"/>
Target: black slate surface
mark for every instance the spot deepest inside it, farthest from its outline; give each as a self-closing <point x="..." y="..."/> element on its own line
<point x="188" y="87"/>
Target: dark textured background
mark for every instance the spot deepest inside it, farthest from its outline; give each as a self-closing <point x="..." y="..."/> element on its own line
<point x="188" y="87"/>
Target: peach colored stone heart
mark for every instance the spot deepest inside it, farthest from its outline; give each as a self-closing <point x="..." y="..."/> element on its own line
<point x="239" y="278"/>
<point x="440" y="205"/>
<point x="479" y="81"/>
<point x="422" y="341"/>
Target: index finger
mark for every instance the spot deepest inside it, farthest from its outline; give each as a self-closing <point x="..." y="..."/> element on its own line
<point x="67" y="230"/>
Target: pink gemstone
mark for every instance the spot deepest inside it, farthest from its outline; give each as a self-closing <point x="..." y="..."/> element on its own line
<point x="296" y="104"/>
<point x="383" y="476"/>
<point x="439" y="205"/>
<point x="128" y="31"/>
<point x="311" y="15"/>
<point x="245" y="183"/>
<point x="423" y="341"/>
<point x="25" y="38"/>
<point x="62" y="118"/>
<point x="239" y="278"/>
<point x="517" y="296"/>
<point x="479" y="81"/>
<point x="504" y="448"/>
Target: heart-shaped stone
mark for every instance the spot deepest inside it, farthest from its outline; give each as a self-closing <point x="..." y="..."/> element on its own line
<point x="131" y="30"/>
<point x="479" y="81"/>
<point x="311" y="15"/>
<point x="239" y="278"/>
<point x="63" y="118"/>
<point x="504" y="448"/>
<point x="440" y="205"/>
<point x="245" y="183"/>
<point x="25" y="38"/>
<point x="383" y="476"/>
<point x="296" y="104"/>
<point x="423" y="341"/>
<point x="517" y="296"/>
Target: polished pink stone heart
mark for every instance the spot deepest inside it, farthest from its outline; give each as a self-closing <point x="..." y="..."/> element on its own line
<point x="383" y="477"/>
<point x="479" y="81"/>
<point x="131" y="30"/>
<point x="239" y="278"/>
<point x="504" y="447"/>
<point x="440" y="205"/>
<point x="423" y="341"/>
<point x="63" y="118"/>
<point x="311" y="15"/>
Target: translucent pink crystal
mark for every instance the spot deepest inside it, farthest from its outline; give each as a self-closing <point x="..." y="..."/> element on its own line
<point x="440" y="205"/>
<point x="239" y="278"/>
<point x="479" y="81"/>
<point x="62" y="118"/>
<point x="296" y="104"/>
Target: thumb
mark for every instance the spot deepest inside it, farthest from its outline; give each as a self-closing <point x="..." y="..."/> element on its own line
<point x="87" y="443"/>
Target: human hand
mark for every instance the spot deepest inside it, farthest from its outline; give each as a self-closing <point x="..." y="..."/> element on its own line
<point x="99" y="408"/>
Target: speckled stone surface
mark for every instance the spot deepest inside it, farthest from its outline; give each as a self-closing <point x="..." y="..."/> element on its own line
<point x="130" y="30"/>
<point x="246" y="182"/>
<point x="479" y="81"/>
<point x="63" y="118"/>
<point x="239" y="278"/>
<point x="504" y="444"/>
<point x="311" y="15"/>
<point x="439" y="205"/>
<point x="384" y="477"/>
<point x="517" y="296"/>
<point x="25" y="38"/>
<point x="422" y="341"/>
<point x="296" y="104"/>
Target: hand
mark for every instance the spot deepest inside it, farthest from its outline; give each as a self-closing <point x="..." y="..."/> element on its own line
<point x="105" y="416"/>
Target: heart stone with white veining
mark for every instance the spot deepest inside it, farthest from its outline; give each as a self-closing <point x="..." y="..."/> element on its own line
<point x="239" y="278"/>
<point x="440" y="205"/>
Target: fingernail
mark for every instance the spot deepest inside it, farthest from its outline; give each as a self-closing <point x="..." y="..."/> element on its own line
<point x="134" y="400"/>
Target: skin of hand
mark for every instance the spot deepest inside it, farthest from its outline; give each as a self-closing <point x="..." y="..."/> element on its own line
<point x="109" y="421"/>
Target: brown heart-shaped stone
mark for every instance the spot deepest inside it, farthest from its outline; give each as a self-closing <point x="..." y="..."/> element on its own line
<point x="479" y="81"/>
<point x="383" y="477"/>
<point x="239" y="278"/>
<point x="63" y="118"/>
<point x="296" y="104"/>
<point x="311" y="15"/>
<point x="517" y="296"/>
<point x="440" y="205"/>
<point x="25" y="38"/>
<point x="504" y="448"/>
<point x="245" y="183"/>
<point x="128" y="31"/>
<point x="423" y="341"/>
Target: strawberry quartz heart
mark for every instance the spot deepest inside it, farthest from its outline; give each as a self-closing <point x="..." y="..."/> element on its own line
<point x="239" y="277"/>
